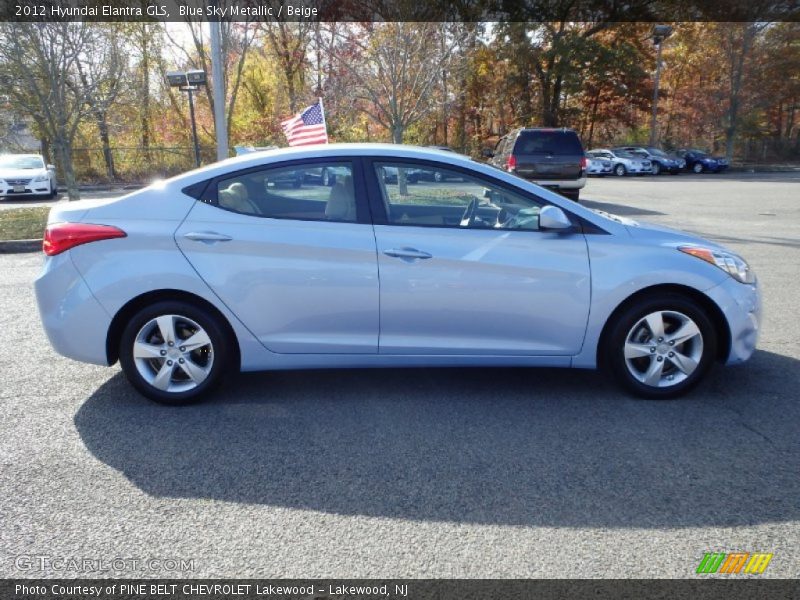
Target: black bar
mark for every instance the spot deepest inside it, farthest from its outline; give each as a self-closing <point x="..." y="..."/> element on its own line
<point x="405" y="10"/>
<point x="398" y="589"/>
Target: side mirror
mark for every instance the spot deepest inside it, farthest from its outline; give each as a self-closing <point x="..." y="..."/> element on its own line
<point x="552" y="217"/>
<point x="51" y="167"/>
<point x="487" y="153"/>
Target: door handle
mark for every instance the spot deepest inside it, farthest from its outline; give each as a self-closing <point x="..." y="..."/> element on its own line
<point x="207" y="237"/>
<point x="407" y="253"/>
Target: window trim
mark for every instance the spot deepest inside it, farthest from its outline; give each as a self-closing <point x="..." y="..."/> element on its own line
<point x="379" y="216"/>
<point x="363" y="212"/>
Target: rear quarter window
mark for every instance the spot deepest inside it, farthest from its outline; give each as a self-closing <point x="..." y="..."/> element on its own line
<point x="548" y="142"/>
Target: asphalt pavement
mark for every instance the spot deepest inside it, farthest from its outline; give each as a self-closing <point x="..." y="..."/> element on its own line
<point x="420" y="473"/>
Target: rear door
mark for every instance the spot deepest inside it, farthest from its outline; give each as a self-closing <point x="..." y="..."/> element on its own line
<point x="293" y="259"/>
<point x="544" y="154"/>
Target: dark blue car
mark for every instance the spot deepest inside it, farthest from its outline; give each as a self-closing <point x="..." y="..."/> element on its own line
<point x="698" y="161"/>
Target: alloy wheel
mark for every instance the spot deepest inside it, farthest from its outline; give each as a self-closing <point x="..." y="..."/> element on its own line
<point x="663" y="348"/>
<point x="173" y="353"/>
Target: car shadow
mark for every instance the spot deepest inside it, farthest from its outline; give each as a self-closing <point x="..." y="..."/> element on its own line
<point x="491" y="446"/>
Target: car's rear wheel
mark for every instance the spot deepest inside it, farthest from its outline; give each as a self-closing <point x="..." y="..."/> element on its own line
<point x="661" y="347"/>
<point x="573" y="195"/>
<point x="620" y="170"/>
<point x="173" y="352"/>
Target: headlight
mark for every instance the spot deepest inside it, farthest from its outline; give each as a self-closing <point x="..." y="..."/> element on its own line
<point x="40" y="178"/>
<point x="732" y="264"/>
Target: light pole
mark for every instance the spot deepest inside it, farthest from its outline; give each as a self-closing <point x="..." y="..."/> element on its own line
<point x="189" y="82"/>
<point x="660" y="33"/>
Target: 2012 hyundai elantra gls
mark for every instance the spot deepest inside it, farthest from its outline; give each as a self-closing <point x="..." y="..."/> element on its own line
<point x="258" y="263"/>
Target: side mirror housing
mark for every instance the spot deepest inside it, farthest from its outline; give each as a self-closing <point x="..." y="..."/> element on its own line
<point x="487" y="153"/>
<point x="552" y="217"/>
<point x="51" y="167"/>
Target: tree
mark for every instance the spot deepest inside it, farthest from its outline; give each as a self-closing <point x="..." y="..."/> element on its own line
<point x="236" y="39"/>
<point x="738" y="41"/>
<point x="399" y="67"/>
<point x="101" y="75"/>
<point x="288" y="42"/>
<point x="40" y="62"/>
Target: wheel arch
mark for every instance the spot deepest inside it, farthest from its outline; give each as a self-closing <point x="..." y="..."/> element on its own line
<point x="713" y="311"/>
<point x="134" y="305"/>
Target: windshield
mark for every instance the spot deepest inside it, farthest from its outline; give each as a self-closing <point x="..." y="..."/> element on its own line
<point x="548" y="142"/>
<point x="656" y="152"/>
<point x="21" y="162"/>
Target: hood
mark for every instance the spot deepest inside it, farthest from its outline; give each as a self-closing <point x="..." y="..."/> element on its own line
<point x="668" y="236"/>
<point x="7" y="173"/>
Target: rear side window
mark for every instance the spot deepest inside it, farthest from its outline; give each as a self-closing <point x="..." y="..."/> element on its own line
<point x="548" y="142"/>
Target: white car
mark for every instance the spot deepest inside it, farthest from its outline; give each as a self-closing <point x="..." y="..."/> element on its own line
<point x="26" y="175"/>
<point x="598" y="167"/>
<point x="625" y="163"/>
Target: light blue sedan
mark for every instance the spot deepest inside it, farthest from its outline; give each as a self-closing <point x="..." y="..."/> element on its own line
<point x="222" y="269"/>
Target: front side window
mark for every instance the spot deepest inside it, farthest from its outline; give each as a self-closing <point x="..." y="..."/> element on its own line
<point x="318" y="192"/>
<point x="440" y="197"/>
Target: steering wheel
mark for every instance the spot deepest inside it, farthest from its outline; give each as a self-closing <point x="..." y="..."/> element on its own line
<point x="471" y="212"/>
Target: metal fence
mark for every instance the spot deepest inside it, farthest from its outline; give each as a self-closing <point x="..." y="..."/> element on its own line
<point x="133" y="165"/>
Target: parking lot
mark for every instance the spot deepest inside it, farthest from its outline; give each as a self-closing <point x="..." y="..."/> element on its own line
<point x="422" y="473"/>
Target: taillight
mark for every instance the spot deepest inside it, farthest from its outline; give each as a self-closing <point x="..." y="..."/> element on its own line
<point x="60" y="237"/>
<point x="511" y="163"/>
<point x="584" y="163"/>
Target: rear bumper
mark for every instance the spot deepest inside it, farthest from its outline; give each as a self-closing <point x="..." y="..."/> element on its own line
<point x="73" y="319"/>
<point x="742" y="306"/>
<point x="560" y="184"/>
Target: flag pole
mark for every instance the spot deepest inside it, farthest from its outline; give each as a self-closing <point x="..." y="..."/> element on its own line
<point x="322" y="110"/>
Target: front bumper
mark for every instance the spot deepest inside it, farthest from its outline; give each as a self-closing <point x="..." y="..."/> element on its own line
<point x="73" y="319"/>
<point x="34" y="188"/>
<point x="742" y="306"/>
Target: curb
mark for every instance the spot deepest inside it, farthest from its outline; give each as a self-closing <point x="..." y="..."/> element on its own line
<point x="20" y="246"/>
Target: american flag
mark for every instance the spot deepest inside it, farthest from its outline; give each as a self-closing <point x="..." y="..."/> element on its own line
<point x="306" y="128"/>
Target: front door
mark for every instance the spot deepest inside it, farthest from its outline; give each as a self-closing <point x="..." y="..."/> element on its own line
<point x="465" y="269"/>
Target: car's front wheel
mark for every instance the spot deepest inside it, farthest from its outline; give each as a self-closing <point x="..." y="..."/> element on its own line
<point x="620" y="170"/>
<point x="173" y="352"/>
<point x="697" y="167"/>
<point x="656" y="167"/>
<point x="661" y="347"/>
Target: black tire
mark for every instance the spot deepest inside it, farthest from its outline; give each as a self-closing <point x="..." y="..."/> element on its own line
<point x="698" y="168"/>
<point x="573" y="195"/>
<point x="52" y="193"/>
<point x="656" y="167"/>
<point x="613" y="351"/>
<point x="620" y="170"/>
<point x="222" y="351"/>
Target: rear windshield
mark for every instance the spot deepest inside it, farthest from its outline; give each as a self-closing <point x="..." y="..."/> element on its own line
<point x="548" y="142"/>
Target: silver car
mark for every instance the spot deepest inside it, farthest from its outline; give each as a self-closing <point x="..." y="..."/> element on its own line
<point x="222" y="269"/>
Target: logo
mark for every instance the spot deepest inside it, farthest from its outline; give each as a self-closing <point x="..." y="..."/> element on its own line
<point x="734" y="562"/>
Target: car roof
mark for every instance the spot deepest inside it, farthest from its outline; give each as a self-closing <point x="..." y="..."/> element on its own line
<point x="369" y="150"/>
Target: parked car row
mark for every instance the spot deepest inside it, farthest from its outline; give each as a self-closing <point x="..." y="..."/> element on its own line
<point x="647" y="160"/>
<point x="555" y="159"/>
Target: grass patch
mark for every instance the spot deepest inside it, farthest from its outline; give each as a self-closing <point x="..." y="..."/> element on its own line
<point x="23" y="223"/>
